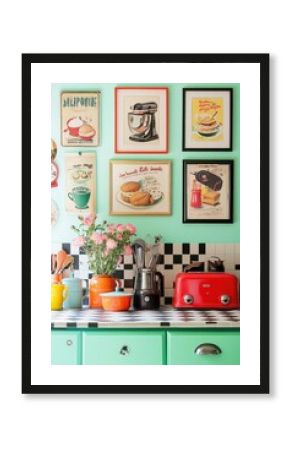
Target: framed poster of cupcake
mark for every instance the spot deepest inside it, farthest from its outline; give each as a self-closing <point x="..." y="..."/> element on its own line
<point x="140" y="187"/>
<point x="207" y="191"/>
<point x="80" y="119"/>
<point x="207" y="119"/>
<point x="141" y="120"/>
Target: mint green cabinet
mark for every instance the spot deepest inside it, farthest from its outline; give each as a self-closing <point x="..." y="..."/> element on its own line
<point x="146" y="346"/>
<point x="65" y="347"/>
<point x="124" y="347"/>
<point x="203" y="347"/>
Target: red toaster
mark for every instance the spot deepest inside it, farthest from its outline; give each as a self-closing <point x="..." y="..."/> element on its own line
<point x="206" y="290"/>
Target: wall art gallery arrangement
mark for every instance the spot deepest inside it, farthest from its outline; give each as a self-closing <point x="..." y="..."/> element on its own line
<point x="141" y="126"/>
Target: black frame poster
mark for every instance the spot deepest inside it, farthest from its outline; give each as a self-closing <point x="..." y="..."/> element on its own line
<point x="210" y="61"/>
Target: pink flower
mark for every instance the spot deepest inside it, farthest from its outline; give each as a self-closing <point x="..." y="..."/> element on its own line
<point x="111" y="244"/>
<point x="131" y="228"/>
<point x="127" y="250"/>
<point x="97" y="238"/>
<point x="111" y="229"/>
<point x="78" y="241"/>
<point x="119" y="236"/>
<point x="120" y="228"/>
<point x="89" y="219"/>
<point x="106" y="252"/>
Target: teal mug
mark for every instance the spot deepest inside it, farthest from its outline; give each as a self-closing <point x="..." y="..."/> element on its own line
<point x="75" y="295"/>
<point x="80" y="195"/>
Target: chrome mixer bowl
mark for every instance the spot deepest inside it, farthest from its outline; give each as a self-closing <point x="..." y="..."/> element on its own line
<point x="139" y="123"/>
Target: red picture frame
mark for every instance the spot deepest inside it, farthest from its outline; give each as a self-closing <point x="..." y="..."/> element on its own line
<point x="146" y="143"/>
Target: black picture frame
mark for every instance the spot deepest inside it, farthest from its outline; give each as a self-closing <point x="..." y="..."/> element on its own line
<point x="209" y="149"/>
<point x="261" y="387"/>
<point x="228" y="162"/>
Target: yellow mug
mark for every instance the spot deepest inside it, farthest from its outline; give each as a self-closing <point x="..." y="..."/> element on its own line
<point x="59" y="293"/>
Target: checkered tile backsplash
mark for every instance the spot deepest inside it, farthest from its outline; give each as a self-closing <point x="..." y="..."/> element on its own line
<point x="173" y="259"/>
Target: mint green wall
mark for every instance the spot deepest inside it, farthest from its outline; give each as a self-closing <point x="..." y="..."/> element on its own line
<point x="170" y="227"/>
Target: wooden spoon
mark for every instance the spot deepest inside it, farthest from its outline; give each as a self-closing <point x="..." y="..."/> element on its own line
<point x="61" y="255"/>
<point x="69" y="260"/>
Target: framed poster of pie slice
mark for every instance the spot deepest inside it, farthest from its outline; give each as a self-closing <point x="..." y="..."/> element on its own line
<point x="80" y="119"/>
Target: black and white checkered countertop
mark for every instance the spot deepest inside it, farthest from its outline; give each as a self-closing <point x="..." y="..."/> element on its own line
<point x="164" y="317"/>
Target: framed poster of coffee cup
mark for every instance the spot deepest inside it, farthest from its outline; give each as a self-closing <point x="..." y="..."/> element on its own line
<point x="80" y="119"/>
<point x="207" y="119"/>
<point x="140" y="187"/>
<point x="80" y="182"/>
<point x="207" y="191"/>
<point x="141" y="120"/>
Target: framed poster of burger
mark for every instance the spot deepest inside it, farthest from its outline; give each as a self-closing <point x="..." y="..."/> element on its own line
<point x="141" y="120"/>
<point x="207" y="191"/>
<point x="207" y="119"/>
<point x="140" y="187"/>
<point x="80" y="119"/>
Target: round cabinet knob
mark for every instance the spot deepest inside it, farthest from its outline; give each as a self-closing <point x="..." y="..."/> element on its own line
<point x="225" y="299"/>
<point x="146" y="299"/>
<point x="188" y="299"/>
<point x="69" y="342"/>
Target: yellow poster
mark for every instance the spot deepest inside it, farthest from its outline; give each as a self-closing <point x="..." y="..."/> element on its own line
<point x="207" y="119"/>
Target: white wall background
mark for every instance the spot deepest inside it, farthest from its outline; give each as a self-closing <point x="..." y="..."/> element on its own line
<point x="43" y="421"/>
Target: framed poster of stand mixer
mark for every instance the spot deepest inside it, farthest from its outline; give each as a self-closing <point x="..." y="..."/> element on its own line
<point x="141" y="120"/>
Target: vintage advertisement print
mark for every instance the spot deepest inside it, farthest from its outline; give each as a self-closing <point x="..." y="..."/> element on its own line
<point x="80" y="182"/>
<point x="140" y="187"/>
<point x="207" y="191"/>
<point x="207" y="119"/>
<point x="80" y="119"/>
<point x="141" y="120"/>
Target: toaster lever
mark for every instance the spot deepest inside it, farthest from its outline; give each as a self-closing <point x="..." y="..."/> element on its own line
<point x="207" y="349"/>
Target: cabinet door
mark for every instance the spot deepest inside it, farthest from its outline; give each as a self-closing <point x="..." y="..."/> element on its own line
<point x="65" y="347"/>
<point x="124" y="347"/>
<point x="208" y="347"/>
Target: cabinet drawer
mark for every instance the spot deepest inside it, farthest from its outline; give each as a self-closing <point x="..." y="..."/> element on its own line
<point x="120" y="347"/>
<point x="207" y="347"/>
<point x="65" y="347"/>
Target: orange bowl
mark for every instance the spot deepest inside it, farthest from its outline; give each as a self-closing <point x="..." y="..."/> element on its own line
<point x="116" y="301"/>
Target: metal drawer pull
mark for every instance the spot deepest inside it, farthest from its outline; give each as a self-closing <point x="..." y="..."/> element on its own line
<point x="124" y="350"/>
<point x="207" y="349"/>
<point x="69" y="342"/>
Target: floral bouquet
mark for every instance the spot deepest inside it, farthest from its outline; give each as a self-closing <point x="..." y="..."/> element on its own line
<point x="104" y="243"/>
